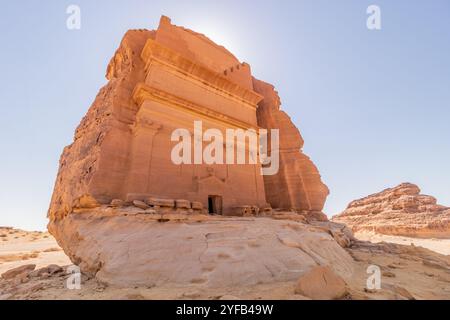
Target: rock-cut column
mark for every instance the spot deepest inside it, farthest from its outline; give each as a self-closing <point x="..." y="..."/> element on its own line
<point x="144" y="132"/>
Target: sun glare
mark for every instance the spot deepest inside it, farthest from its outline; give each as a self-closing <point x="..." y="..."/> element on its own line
<point x="220" y="35"/>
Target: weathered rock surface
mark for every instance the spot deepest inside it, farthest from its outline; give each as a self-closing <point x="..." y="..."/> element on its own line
<point x="408" y="272"/>
<point x="49" y="270"/>
<point x="91" y="166"/>
<point x="399" y="211"/>
<point x="183" y="204"/>
<point x="168" y="203"/>
<point x="197" y="205"/>
<point x="214" y="253"/>
<point x="16" y="272"/>
<point x="117" y="203"/>
<point x="298" y="184"/>
<point x="141" y="205"/>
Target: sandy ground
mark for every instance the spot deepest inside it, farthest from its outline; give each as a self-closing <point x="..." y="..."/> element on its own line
<point x="19" y="247"/>
<point x="441" y="246"/>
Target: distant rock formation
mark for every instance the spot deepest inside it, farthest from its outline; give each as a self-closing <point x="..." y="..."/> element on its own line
<point x="399" y="211"/>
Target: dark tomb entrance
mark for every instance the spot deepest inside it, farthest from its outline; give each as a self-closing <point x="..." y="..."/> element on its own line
<point x="215" y="204"/>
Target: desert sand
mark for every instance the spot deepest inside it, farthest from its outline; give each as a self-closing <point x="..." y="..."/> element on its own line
<point x="18" y="247"/>
<point x="441" y="246"/>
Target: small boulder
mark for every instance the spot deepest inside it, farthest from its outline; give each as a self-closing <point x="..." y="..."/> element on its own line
<point x="54" y="268"/>
<point x="169" y="203"/>
<point x="46" y="272"/>
<point x="183" y="204"/>
<point x="25" y="269"/>
<point x="140" y="204"/>
<point x="266" y="210"/>
<point x="86" y="202"/>
<point x="255" y="210"/>
<point x="117" y="203"/>
<point x="321" y="283"/>
<point x="197" y="205"/>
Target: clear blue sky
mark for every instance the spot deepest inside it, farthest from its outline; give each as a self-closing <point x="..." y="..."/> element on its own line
<point x="373" y="106"/>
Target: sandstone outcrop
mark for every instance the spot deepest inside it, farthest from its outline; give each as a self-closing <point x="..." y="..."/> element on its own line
<point x="139" y="250"/>
<point x="126" y="213"/>
<point x="399" y="211"/>
<point x="163" y="80"/>
<point x="16" y="272"/>
<point x="298" y="184"/>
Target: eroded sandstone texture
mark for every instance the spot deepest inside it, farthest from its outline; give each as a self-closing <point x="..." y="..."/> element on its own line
<point x="167" y="79"/>
<point x="398" y="211"/>
<point x="298" y="184"/>
<point x="129" y="250"/>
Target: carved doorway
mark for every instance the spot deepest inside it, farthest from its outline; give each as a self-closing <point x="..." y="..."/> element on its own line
<point x="215" y="205"/>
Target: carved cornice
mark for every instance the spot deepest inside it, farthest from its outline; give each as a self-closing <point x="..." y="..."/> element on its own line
<point x="143" y="92"/>
<point x="207" y="77"/>
<point x="144" y="122"/>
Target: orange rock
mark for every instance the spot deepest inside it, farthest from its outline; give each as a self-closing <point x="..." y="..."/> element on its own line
<point x="22" y="270"/>
<point x="164" y="80"/>
<point x="140" y="204"/>
<point x="298" y="184"/>
<point x="321" y="283"/>
<point x="399" y="211"/>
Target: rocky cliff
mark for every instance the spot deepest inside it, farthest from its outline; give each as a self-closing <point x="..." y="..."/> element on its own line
<point x="109" y="160"/>
<point x="91" y="165"/>
<point x="298" y="184"/>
